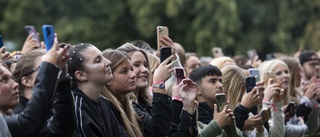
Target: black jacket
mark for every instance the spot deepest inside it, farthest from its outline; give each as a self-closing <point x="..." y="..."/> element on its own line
<point x="182" y="120"/>
<point x="205" y="113"/>
<point x="33" y="118"/>
<point x="95" y="118"/>
<point x="155" y="120"/>
<point x="22" y="104"/>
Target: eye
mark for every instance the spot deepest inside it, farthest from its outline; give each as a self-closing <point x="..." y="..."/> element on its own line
<point x="4" y="79"/>
<point x="286" y="71"/>
<point x="98" y="60"/>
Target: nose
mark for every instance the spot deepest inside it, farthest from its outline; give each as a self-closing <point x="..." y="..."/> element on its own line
<point x="220" y="85"/>
<point x="107" y="62"/>
<point x="144" y="70"/>
<point x="15" y="85"/>
<point x="132" y="75"/>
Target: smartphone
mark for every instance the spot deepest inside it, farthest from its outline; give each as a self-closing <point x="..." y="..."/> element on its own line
<point x="270" y="56"/>
<point x="165" y="52"/>
<point x="179" y="72"/>
<point x="252" y="54"/>
<point x="217" y="52"/>
<point x="253" y="72"/>
<point x="48" y="35"/>
<point x="270" y="75"/>
<point x="221" y="101"/>
<point x="161" y="31"/>
<point x="290" y="106"/>
<point x="1" y="42"/>
<point x="250" y="83"/>
<point x="31" y="29"/>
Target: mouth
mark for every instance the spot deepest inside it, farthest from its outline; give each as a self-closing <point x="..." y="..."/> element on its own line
<point x="143" y="77"/>
<point x="16" y="94"/>
<point x="109" y="71"/>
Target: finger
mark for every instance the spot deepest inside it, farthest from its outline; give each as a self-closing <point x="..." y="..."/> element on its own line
<point x="215" y="108"/>
<point x="30" y="36"/>
<point x="167" y="60"/>
<point x="2" y="49"/>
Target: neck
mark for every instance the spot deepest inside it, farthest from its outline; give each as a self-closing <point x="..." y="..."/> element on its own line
<point x="27" y="93"/>
<point x="91" y="90"/>
<point x="210" y="103"/>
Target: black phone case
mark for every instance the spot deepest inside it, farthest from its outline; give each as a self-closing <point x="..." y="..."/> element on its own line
<point x="250" y="83"/>
<point x="165" y="52"/>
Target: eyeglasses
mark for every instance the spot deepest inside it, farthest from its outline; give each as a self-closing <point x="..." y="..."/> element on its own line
<point x="33" y="70"/>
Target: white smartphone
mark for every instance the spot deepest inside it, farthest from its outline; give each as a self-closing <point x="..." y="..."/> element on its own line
<point x="253" y="72"/>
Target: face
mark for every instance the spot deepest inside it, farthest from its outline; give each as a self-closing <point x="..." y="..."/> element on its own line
<point x="210" y="85"/>
<point x="9" y="95"/>
<point x="124" y="79"/>
<point x="191" y="64"/>
<point x="282" y="75"/>
<point x="33" y="75"/>
<point x="140" y="68"/>
<point x="97" y="67"/>
<point x="311" y="68"/>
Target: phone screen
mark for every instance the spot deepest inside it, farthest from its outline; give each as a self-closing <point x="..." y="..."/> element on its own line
<point x="165" y="52"/>
<point x="250" y="83"/>
<point x="48" y="35"/>
<point x="161" y="31"/>
<point x="179" y="74"/>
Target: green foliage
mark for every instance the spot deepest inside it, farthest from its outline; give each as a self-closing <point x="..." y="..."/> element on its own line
<point x="234" y="25"/>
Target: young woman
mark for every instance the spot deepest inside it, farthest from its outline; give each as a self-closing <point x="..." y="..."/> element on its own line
<point x="90" y="72"/>
<point x="276" y="75"/>
<point x="142" y="105"/>
<point x="234" y="83"/>
<point x="192" y="62"/>
<point x="33" y="118"/>
<point x="25" y="74"/>
<point x="160" y="124"/>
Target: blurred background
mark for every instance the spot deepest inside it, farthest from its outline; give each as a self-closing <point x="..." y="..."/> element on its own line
<point x="199" y="25"/>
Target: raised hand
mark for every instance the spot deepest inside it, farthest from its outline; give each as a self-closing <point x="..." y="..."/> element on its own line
<point x="252" y="122"/>
<point x="163" y="72"/>
<point x="3" y="54"/>
<point x="224" y="117"/>
<point x="30" y="44"/>
<point x="188" y="92"/>
<point x="57" y="56"/>
<point x="250" y="99"/>
<point x="272" y="91"/>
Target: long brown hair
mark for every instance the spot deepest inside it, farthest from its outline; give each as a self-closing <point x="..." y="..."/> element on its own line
<point x="143" y="96"/>
<point x="124" y="107"/>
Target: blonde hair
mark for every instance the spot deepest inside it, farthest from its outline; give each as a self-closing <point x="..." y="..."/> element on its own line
<point x="219" y="62"/>
<point x="294" y="67"/>
<point x="154" y="62"/>
<point x="268" y="67"/>
<point x="233" y="81"/>
<point x="126" y="111"/>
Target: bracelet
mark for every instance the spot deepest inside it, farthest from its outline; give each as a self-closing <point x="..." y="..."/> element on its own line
<point x="177" y="98"/>
<point x="158" y="82"/>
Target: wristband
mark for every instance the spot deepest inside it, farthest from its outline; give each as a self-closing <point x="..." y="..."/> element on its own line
<point x="158" y="82"/>
<point x="177" y="98"/>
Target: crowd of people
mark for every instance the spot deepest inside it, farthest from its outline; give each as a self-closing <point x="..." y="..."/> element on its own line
<point x="80" y="90"/>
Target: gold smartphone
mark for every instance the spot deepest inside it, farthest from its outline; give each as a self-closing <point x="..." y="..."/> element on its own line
<point x="161" y="31"/>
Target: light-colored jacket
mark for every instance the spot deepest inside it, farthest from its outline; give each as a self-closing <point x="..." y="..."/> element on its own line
<point x="4" y="131"/>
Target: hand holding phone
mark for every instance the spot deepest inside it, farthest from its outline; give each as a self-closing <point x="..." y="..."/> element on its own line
<point x="161" y="31"/>
<point x="252" y="54"/>
<point x="179" y="72"/>
<point x="290" y="107"/>
<point x="221" y="101"/>
<point x="48" y="35"/>
<point x="31" y="29"/>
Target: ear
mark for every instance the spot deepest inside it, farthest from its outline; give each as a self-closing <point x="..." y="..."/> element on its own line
<point x="26" y="82"/>
<point x="81" y="75"/>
